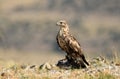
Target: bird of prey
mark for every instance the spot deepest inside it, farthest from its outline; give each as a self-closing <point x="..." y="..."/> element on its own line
<point x="70" y="45"/>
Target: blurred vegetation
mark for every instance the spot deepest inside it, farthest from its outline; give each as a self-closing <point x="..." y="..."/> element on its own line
<point x="31" y="24"/>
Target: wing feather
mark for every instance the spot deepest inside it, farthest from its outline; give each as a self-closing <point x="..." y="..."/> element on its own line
<point x="73" y="44"/>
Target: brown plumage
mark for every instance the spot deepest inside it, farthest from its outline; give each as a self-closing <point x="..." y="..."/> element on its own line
<point x="70" y="45"/>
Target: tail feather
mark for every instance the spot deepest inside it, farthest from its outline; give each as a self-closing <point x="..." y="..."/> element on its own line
<point x="83" y="58"/>
<point x="81" y="55"/>
<point x="82" y="64"/>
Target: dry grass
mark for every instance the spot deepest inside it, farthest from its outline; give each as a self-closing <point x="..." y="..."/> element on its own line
<point x="18" y="71"/>
<point x="99" y="68"/>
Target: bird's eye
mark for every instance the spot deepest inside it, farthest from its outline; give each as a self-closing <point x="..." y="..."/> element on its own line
<point x="60" y="22"/>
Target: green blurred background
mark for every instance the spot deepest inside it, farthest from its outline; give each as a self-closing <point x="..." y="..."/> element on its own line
<point x="28" y="28"/>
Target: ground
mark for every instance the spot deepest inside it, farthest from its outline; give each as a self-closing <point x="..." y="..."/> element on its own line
<point x="99" y="68"/>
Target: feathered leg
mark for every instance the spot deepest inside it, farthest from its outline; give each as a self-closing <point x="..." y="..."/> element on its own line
<point x="76" y="63"/>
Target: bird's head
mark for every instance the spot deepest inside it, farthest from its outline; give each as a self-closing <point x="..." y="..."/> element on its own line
<point x="62" y="23"/>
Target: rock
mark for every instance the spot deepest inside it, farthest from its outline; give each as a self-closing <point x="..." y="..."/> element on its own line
<point x="117" y="64"/>
<point x="23" y="66"/>
<point x="33" y="66"/>
<point x="2" y="74"/>
<point x="64" y="64"/>
<point x="46" y="66"/>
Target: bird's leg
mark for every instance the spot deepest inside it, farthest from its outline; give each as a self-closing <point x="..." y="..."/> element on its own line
<point x="75" y="62"/>
<point x="70" y="60"/>
<point x="67" y="57"/>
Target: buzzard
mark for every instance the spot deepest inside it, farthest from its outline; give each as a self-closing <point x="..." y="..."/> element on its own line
<point x="71" y="46"/>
